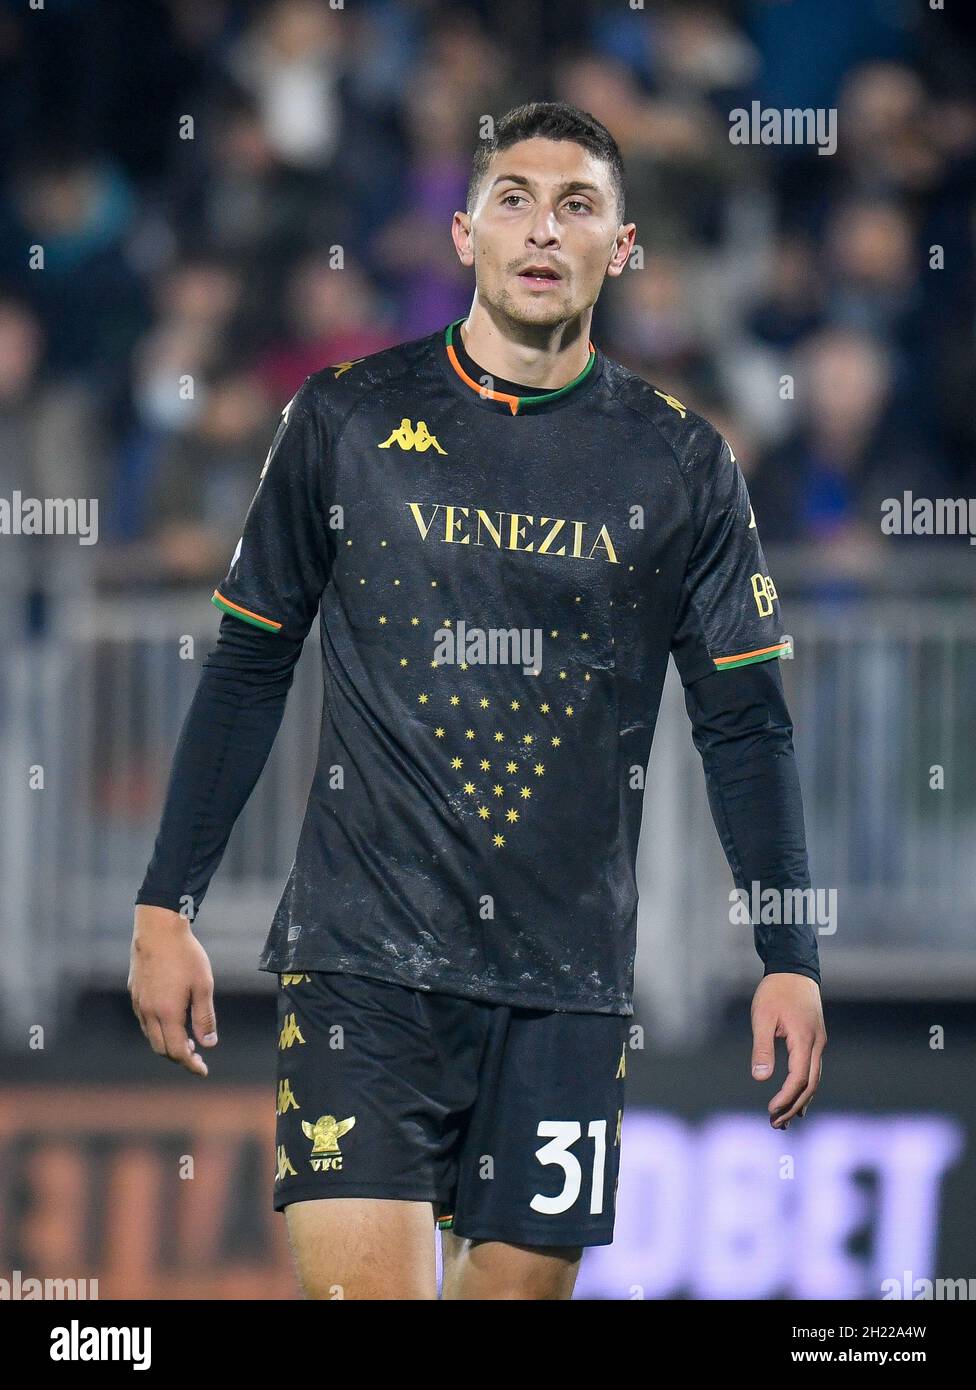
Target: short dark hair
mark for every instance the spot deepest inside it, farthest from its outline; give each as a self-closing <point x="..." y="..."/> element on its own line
<point x="550" y="120"/>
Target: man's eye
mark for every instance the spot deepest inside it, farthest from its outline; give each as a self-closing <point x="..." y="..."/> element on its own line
<point x="508" y="196"/>
<point x="578" y="203"/>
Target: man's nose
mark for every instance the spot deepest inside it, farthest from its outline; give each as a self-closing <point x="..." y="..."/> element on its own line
<point x="544" y="230"/>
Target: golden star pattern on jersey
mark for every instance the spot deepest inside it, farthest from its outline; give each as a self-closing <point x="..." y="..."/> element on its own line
<point x="498" y="729"/>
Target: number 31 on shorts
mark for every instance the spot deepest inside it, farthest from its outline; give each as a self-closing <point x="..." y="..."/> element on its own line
<point x="565" y="1133"/>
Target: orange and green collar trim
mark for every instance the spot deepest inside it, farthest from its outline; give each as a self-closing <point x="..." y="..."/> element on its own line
<point x="245" y="614"/>
<point x="514" y="403"/>
<point x="726" y="663"/>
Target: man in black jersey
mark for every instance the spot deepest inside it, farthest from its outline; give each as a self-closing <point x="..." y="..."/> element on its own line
<point x="505" y="534"/>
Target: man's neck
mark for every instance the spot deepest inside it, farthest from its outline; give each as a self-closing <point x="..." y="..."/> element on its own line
<point x="546" y="358"/>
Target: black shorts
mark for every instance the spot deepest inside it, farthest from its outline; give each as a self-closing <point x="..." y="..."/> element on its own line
<point x="507" y="1120"/>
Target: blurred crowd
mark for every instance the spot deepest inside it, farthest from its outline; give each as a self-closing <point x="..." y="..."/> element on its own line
<point x="228" y="196"/>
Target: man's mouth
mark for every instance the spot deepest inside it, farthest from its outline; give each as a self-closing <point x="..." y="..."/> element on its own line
<point x="539" y="275"/>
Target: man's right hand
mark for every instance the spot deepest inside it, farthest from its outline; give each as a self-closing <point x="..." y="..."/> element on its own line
<point x="168" y="970"/>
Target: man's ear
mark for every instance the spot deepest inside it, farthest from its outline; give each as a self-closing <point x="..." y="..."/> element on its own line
<point x="461" y="235"/>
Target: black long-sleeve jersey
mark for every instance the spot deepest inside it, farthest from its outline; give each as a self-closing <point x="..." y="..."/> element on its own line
<point x="501" y="578"/>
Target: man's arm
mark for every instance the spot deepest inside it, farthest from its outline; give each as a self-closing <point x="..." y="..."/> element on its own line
<point x="728" y="636"/>
<point x="270" y="596"/>
<point x="742" y="729"/>
<point x="223" y="746"/>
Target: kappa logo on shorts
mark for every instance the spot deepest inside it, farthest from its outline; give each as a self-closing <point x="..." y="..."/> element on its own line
<point x="284" y="1169"/>
<point x="622" y="1064"/>
<point x="290" y="1033"/>
<point x="325" y="1135"/>
<point x="286" y="1097"/>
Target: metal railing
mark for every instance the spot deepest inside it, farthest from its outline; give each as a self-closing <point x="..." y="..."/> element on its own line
<point x="880" y="692"/>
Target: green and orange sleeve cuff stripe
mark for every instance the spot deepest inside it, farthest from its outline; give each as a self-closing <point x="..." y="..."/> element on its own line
<point x="726" y="663"/>
<point x="245" y="614"/>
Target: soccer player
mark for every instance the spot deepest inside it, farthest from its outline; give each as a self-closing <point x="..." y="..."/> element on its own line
<point x="505" y="534"/>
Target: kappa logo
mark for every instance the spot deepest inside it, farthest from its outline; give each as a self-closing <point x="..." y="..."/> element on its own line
<point x="286" y="1097"/>
<point x="344" y="367"/>
<point x="325" y="1135"/>
<point x="673" y="402"/>
<point x="290" y="1033"/>
<point x="419" y="439"/>
<point x="284" y="1167"/>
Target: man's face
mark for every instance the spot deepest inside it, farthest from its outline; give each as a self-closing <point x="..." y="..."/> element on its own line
<point x="543" y="233"/>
